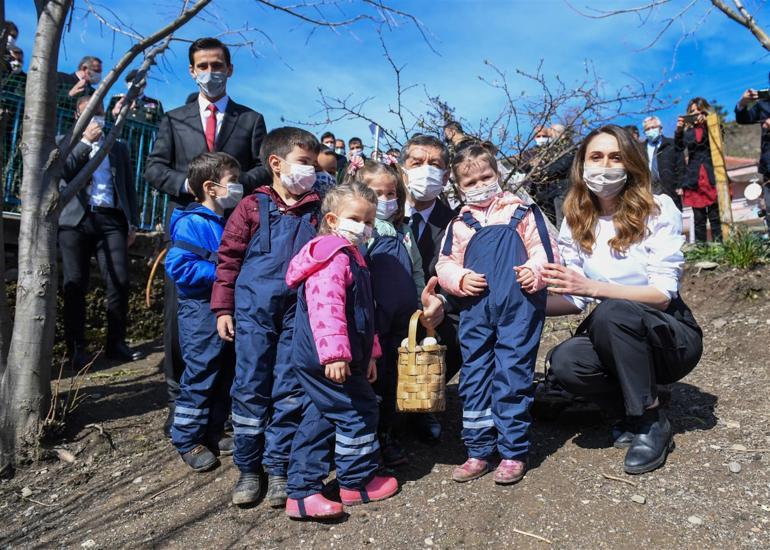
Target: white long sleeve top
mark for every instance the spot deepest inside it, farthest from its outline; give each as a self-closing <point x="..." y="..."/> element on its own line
<point x="656" y="261"/>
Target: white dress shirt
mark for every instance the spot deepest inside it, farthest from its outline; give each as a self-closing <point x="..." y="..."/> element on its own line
<point x="656" y="261"/>
<point x="100" y="191"/>
<point x="203" y="107"/>
<point x="425" y="213"/>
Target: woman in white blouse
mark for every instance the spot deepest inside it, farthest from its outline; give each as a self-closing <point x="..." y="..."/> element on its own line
<point x="622" y="248"/>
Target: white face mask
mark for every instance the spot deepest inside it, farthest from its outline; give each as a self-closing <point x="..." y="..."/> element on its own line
<point x="340" y="150"/>
<point x="15" y="66"/>
<point x="233" y="196"/>
<point x="542" y="141"/>
<point x="94" y="77"/>
<point x="98" y="120"/>
<point x="483" y="196"/>
<point x="211" y="84"/>
<point x="386" y="208"/>
<point x="355" y="232"/>
<point x="300" y="178"/>
<point x="425" y="182"/>
<point x="11" y="42"/>
<point x="606" y="183"/>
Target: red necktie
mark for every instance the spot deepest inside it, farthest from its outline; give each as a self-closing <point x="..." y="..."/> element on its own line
<point x="211" y="126"/>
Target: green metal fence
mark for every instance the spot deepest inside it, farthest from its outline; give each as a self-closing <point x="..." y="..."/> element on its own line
<point x="138" y="136"/>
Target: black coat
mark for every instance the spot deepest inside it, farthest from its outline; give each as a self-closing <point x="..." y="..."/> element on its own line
<point x="429" y="243"/>
<point x="698" y="154"/>
<point x="181" y="138"/>
<point x="671" y="169"/>
<point x="758" y="113"/>
<point x="122" y="181"/>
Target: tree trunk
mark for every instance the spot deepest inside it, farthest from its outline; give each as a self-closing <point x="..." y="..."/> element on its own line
<point x="25" y="386"/>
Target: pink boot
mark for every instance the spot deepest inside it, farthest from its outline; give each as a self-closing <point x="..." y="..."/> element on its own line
<point x="313" y="507"/>
<point x="510" y="471"/>
<point x="472" y="468"/>
<point x="379" y="488"/>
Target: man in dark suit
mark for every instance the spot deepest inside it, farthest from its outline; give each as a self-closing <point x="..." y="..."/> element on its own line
<point x="81" y="82"/>
<point x="425" y="160"/>
<point x="101" y="219"/>
<point x="666" y="164"/>
<point x="751" y="109"/>
<point x="212" y="123"/>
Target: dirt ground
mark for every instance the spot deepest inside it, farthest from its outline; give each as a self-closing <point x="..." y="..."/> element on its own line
<point x="128" y="488"/>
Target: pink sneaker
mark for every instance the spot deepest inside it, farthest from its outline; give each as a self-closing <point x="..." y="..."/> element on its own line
<point x="472" y="469"/>
<point x="510" y="471"/>
<point x="315" y="506"/>
<point x="379" y="488"/>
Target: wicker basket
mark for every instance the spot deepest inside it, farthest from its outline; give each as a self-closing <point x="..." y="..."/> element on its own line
<point x="421" y="374"/>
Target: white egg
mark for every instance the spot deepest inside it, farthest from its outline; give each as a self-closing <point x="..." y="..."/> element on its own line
<point x="429" y="341"/>
<point x="405" y="343"/>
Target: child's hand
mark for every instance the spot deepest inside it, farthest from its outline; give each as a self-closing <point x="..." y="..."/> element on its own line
<point x="338" y="371"/>
<point x="473" y="283"/>
<point x="225" y="327"/>
<point x="371" y="372"/>
<point x="525" y="278"/>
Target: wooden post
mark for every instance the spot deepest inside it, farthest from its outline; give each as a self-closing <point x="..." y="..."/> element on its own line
<point x="720" y="175"/>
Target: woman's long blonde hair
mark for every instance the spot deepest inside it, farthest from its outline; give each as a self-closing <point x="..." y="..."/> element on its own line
<point x="635" y="202"/>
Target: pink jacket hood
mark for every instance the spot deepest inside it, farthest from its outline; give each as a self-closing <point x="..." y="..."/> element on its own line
<point x="315" y="255"/>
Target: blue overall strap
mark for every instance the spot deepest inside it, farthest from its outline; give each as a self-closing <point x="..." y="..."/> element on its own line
<point x="468" y="219"/>
<point x="542" y="230"/>
<point x="204" y="253"/>
<point x="264" y="222"/>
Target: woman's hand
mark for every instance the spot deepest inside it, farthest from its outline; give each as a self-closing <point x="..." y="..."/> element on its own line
<point x="473" y="284"/>
<point x="679" y="123"/>
<point x="337" y="371"/>
<point x="748" y="96"/>
<point x="526" y="278"/>
<point x="371" y="372"/>
<point x="563" y="280"/>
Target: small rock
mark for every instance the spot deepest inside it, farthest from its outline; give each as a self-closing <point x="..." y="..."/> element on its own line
<point x="137" y="480"/>
<point x="117" y="474"/>
<point x="428" y="541"/>
<point x="706" y="265"/>
<point x="639" y="499"/>
<point x="585" y="501"/>
<point x="738" y="447"/>
<point x="90" y="543"/>
<point x="732" y="424"/>
<point x="719" y="323"/>
<point x="734" y="467"/>
<point x="26" y="492"/>
<point x="695" y="520"/>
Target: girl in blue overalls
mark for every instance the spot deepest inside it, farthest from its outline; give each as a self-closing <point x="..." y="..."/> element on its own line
<point x="334" y="357"/>
<point x="492" y="257"/>
<point x="395" y="264"/>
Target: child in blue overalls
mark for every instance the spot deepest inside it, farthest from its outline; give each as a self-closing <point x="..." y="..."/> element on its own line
<point x="395" y="264"/>
<point x="204" y="401"/>
<point x="255" y="308"/>
<point x="335" y="353"/>
<point x="492" y="258"/>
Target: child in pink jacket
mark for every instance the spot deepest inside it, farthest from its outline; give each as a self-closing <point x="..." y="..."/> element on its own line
<point x="492" y="258"/>
<point x="334" y="354"/>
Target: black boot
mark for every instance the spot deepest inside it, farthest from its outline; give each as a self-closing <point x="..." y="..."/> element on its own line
<point x="621" y="434"/>
<point x="653" y="439"/>
<point x="169" y="421"/>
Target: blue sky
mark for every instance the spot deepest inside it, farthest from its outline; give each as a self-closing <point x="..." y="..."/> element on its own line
<point x="718" y="61"/>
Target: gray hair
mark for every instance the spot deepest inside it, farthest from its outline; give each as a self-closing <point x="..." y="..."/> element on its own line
<point x="652" y="118"/>
<point x="426" y="141"/>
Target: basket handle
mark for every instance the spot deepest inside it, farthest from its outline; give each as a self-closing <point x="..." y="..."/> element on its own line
<point x="413" y="330"/>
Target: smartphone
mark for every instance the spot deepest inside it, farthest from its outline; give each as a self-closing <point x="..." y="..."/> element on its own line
<point x="763" y="94"/>
<point x="690" y="119"/>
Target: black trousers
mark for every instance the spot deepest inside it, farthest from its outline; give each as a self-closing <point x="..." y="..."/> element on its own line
<point x="712" y="214"/>
<point x="173" y="364"/>
<point x="623" y="349"/>
<point x="104" y="233"/>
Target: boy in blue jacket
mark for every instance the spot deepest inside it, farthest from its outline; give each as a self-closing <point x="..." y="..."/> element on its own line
<point x="204" y="400"/>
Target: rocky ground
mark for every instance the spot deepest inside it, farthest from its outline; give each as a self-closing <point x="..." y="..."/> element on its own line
<point x="120" y="484"/>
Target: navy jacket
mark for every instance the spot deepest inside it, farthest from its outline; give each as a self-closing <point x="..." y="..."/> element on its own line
<point x="757" y="113"/>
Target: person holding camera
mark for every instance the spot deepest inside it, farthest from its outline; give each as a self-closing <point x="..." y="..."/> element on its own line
<point x="699" y="183"/>
<point x="754" y="108"/>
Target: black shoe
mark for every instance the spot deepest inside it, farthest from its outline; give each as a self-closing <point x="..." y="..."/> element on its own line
<point x="428" y="427"/>
<point x="78" y="360"/>
<point x="169" y="421"/>
<point x="121" y="352"/>
<point x="620" y="435"/>
<point x="392" y="453"/>
<point x="653" y="439"/>
<point x="226" y="445"/>
<point x="200" y="459"/>
<point x="276" y="491"/>
<point x="247" y="489"/>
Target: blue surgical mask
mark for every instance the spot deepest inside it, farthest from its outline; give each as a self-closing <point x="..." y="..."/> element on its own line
<point x="211" y="84"/>
<point x="386" y="208"/>
<point x="340" y="150"/>
<point x="652" y="134"/>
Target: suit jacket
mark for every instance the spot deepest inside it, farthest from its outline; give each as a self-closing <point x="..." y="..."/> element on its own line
<point x="758" y="112"/>
<point x="670" y="169"/>
<point x="429" y="242"/>
<point x="181" y="138"/>
<point x="122" y="181"/>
